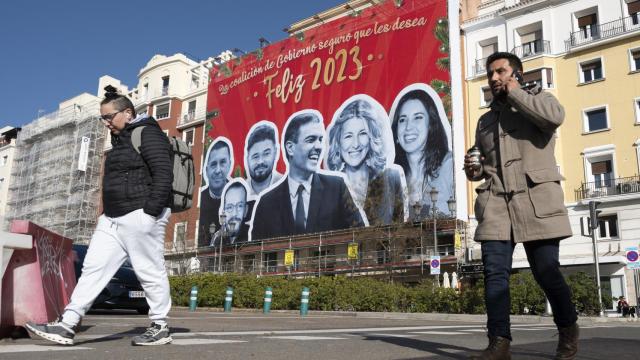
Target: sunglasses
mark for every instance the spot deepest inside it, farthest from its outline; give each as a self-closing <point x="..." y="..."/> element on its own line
<point x="109" y="117"/>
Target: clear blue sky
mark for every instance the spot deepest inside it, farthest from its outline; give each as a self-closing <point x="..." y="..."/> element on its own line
<point x="51" y="51"/>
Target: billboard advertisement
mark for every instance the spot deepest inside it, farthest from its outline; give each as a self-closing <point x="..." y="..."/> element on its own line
<point x="345" y="124"/>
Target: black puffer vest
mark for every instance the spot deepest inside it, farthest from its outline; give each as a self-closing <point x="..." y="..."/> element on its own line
<point x="135" y="180"/>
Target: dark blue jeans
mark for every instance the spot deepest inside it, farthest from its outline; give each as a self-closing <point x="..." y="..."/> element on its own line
<point x="543" y="258"/>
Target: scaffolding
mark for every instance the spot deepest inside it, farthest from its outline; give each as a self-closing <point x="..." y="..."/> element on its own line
<point x="397" y="252"/>
<point x="48" y="186"/>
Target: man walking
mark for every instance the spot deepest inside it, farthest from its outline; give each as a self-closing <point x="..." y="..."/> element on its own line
<point x="520" y="201"/>
<point x="136" y="191"/>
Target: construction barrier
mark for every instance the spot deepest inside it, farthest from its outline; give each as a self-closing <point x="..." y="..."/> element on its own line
<point x="38" y="281"/>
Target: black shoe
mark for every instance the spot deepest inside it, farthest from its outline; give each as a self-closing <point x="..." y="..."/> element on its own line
<point x="54" y="331"/>
<point x="156" y="334"/>
<point x="499" y="349"/>
<point x="567" y="342"/>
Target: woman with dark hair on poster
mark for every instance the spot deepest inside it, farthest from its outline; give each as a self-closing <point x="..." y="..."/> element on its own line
<point x="422" y="149"/>
<point x="356" y="148"/>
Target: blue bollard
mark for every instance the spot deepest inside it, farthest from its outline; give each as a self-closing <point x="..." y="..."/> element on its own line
<point x="304" y="301"/>
<point x="268" y="293"/>
<point x="228" y="299"/>
<point x="193" y="300"/>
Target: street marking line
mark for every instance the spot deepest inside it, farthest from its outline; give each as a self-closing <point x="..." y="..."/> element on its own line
<point x="304" y="337"/>
<point x="392" y="335"/>
<point x="204" y="341"/>
<point x="439" y="332"/>
<point x="334" y="331"/>
<point x="38" y="348"/>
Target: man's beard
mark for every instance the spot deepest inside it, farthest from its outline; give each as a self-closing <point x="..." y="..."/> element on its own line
<point x="260" y="177"/>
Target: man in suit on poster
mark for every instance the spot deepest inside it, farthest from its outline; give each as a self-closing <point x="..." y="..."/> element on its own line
<point x="305" y="201"/>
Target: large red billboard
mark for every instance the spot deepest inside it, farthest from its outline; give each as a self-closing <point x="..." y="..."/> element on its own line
<point x="345" y="124"/>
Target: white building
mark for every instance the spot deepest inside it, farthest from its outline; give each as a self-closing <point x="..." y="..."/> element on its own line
<point x="587" y="53"/>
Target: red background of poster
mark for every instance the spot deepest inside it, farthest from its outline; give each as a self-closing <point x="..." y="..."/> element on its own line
<point x="390" y="61"/>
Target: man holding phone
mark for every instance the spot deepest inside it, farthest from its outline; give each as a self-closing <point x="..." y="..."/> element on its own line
<point x="520" y="201"/>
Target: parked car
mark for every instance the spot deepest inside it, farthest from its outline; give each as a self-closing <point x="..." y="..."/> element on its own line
<point x="123" y="290"/>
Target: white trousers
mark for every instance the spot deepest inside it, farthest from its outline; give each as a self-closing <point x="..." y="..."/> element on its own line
<point x="137" y="236"/>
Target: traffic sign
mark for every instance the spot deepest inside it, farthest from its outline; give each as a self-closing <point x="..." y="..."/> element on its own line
<point x="435" y="265"/>
<point x="633" y="260"/>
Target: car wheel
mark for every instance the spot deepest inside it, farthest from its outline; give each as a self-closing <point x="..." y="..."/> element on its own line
<point x="143" y="310"/>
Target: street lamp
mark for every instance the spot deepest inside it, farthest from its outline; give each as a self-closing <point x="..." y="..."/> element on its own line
<point x="223" y="228"/>
<point x="434" y="200"/>
<point x="417" y="209"/>
<point x="212" y="231"/>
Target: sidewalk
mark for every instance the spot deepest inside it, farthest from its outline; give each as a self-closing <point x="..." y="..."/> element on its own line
<point x="515" y="319"/>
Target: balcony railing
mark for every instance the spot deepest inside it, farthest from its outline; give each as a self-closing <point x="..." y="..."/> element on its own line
<point x="191" y="117"/>
<point x="480" y="66"/>
<point x="619" y="186"/>
<point x="602" y="31"/>
<point x="533" y="48"/>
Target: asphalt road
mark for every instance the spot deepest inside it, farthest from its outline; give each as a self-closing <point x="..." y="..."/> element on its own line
<point x="214" y="335"/>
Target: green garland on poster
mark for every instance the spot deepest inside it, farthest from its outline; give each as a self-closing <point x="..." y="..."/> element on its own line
<point x="441" y="32"/>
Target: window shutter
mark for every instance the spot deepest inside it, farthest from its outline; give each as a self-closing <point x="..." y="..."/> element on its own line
<point x="633" y="7"/>
<point x="549" y="76"/>
<point x="590" y="19"/>
<point x="601" y="167"/>
<point x="533" y="76"/>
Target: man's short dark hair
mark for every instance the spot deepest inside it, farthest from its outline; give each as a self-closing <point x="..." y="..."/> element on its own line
<point x="293" y="129"/>
<point x="235" y="185"/>
<point x="514" y="61"/>
<point x="219" y="145"/>
<point x="261" y="133"/>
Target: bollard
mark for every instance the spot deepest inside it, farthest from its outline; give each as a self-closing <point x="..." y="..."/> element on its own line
<point x="193" y="300"/>
<point x="304" y="301"/>
<point x="228" y="299"/>
<point x="267" y="300"/>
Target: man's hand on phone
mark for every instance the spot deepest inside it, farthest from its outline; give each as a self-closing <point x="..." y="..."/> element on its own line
<point x="512" y="83"/>
<point x="471" y="166"/>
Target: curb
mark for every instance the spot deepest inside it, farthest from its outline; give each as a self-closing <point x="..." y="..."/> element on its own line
<point x="482" y="318"/>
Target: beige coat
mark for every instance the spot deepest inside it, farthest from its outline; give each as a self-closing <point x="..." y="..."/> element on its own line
<point x="522" y="191"/>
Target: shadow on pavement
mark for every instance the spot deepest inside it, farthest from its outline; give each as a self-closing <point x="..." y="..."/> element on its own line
<point x="444" y="351"/>
<point x="128" y="333"/>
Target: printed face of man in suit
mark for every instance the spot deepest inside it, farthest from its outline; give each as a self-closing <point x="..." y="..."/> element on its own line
<point x="218" y="166"/>
<point x="260" y="159"/>
<point x="304" y="154"/>
<point x="235" y="208"/>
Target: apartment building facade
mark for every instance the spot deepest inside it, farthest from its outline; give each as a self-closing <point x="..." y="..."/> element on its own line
<point x="8" y="136"/>
<point x="587" y="53"/>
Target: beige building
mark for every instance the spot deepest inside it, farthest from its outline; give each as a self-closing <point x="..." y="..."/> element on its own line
<point x="587" y="53"/>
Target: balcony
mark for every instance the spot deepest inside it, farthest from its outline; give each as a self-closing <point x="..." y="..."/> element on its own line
<point x="598" y="32"/>
<point x="619" y="186"/>
<point x="480" y="66"/>
<point x="533" y="48"/>
<point x="190" y="118"/>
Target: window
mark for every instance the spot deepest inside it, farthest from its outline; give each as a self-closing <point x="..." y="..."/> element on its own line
<point x="634" y="59"/>
<point x="531" y="43"/>
<point x="192" y="107"/>
<point x="3" y="160"/>
<point x="588" y="25"/>
<point x="602" y="173"/>
<point x="270" y="262"/>
<point x="591" y="71"/>
<point x="1" y="182"/>
<point x="596" y="120"/>
<point x="485" y="96"/>
<point x="162" y="111"/>
<point x="187" y="136"/>
<point x="165" y="85"/>
<point x="533" y="78"/>
<point x="145" y="90"/>
<point x="636" y="107"/>
<point x="180" y="235"/>
<point x="634" y="8"/>
<point x="166" y="132"/>
<point x="195" y="81"/>
<point x="608" y="226"/>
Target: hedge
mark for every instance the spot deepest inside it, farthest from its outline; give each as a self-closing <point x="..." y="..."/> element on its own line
<point x="342" y="293"/>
